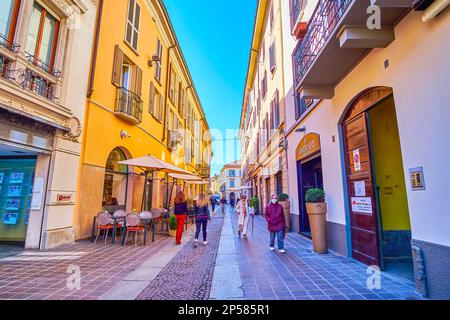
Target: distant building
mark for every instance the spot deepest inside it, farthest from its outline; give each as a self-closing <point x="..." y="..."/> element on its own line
<point x="229" y="180"/>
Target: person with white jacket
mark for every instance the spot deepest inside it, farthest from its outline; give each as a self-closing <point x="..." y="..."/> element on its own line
<point x="243" y="211"/>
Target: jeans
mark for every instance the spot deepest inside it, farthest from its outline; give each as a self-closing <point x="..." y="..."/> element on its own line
<point x="280" y="239"/>
<point x="201" y="223"/>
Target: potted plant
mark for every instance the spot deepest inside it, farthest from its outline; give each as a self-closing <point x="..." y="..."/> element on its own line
<point x="283" y="200"/>
<point x="254" y="204"/>
<point x="173" y="226"/>
<point x="316" y="207"/>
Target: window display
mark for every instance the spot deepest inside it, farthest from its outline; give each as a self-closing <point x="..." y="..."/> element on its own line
<point x="10" y="218"/>
<point x="16" y="177"/>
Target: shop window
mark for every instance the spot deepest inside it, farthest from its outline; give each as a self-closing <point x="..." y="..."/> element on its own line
<point x="116" y="181"/>
<point x="42" y="38"/>
<point x="133" y="21"/>
<point x="279" y="182"/>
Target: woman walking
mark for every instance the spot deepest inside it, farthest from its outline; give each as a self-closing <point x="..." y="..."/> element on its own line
<point x="276" y="222"/>
<point x="180" y="210"/>
<point x="202" y="216"/>
<point x="243" y="211"/>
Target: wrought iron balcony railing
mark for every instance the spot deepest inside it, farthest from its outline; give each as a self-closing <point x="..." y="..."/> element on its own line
<point x="32" y="82"/>
<point x="129" y="104"/>
<point x="322" y="24"/>
<point x="43" y="65"/>
<point x="9" y="45"/>
<point x="5" y="71"/>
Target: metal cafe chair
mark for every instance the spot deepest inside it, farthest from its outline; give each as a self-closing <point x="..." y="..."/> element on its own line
<point x="104" y="223"/>
<point x="119" y="222"/>
<point x="133" y="224"/>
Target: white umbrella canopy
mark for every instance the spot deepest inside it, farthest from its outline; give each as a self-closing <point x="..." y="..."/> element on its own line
<point x="185" y="177"/>
<point x="150" y="163"/>
<point x="198" y="182"/>
<point x="245" y="188"/>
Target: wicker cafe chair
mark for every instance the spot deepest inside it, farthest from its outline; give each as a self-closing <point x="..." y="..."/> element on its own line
<point x="104" y="223"/>
<point x="133" y="223"/>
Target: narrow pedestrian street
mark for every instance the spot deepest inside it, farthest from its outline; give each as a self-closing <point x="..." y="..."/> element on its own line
<point x="224" y="269"/>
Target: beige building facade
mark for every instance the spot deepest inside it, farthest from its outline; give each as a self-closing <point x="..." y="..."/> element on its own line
<point x="262" y="128"/>
<point x="43" y="82"/>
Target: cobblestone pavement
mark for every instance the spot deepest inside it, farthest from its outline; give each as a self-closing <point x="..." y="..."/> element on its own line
<point x="189" y="275"/>
<point x="303" y="275"/>
<point x="35" y="275"/>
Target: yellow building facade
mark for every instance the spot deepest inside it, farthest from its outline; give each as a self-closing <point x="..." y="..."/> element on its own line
<point x="141" y="100"/>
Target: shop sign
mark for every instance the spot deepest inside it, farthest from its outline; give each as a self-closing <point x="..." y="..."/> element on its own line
<point x="362" y="205"/>
<point x="276" y="166"/>
<point x="309" y="145"/>
<point x="64" y="198"/>
<point x="357" y="160"/>
<point x="38" y="191"/>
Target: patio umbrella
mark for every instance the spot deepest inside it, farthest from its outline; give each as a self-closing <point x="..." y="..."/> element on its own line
<point x="150" y="164"/>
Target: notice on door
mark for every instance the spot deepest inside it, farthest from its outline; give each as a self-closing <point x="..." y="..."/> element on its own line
<point x="357" y="160"/>
<point x="38" y="192"/>
<point x="360" y="188"/>
<point x="362" y="205"/>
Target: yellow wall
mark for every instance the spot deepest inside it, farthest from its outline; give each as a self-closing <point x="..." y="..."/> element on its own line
<point x="102" y="127"/>
<point x="389" y="167"/>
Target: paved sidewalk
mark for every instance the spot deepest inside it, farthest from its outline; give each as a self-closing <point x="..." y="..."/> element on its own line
<point x="301" y="274"/>
<point x="189" y="275"/>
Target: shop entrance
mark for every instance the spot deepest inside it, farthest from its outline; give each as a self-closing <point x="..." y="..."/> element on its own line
<point x="17" y="170"/>
<point x="309" y="175"/>
<point x="379" y="214"/>
<point x="115" y="186"/>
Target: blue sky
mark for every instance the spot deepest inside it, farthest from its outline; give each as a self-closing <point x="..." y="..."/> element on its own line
<point x="215" y="37"/>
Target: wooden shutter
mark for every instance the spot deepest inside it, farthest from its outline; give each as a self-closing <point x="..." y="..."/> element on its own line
<point x="152" y="100"/>
<point x="272" y="54"/>
<point x="117" y="67"/>
<point x="138" y="81"/>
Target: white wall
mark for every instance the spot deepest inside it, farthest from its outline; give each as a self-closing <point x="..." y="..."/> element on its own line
<point x="419" y="74"/>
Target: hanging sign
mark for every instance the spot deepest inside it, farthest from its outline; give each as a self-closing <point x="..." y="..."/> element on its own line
<point x="362" y="205"/>
<point x="360" y="188"/>
<point x="309" y="146"/>
<point x="357" y="160"/>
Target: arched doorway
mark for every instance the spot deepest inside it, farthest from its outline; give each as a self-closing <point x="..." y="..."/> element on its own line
<point x="115" y="189"/>
<point x="309" y="175"/>
<point x="376" y="186"/>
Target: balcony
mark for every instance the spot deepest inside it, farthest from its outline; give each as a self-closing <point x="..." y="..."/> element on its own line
<point x="337" y="39"/>
<point x="128" y="106"/>
<point x="5" y="70"/>
<point x="43" y="66"/>
<point x="32" y="82"/>
<point x="8" y="45"/>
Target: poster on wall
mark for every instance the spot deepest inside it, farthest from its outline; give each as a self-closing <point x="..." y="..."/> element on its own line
<point x="2" y="175"/>
<point x="362" y="205"/>
<point x="14" y="191"/>
<point x="12" y="205"/>
<point x="36" y="201"/>
<point x="16" y="177"/>
<point x="10" y="218"/>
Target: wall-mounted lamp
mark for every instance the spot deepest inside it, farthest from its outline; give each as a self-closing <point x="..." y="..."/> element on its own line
<point x="124" y="134"/>
<point x="155" y="59"/>
<point x="301" y="129"/>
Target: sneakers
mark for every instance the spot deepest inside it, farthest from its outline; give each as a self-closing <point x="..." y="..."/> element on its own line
<point x="245" y="237"/>
<point x="205" y="243"/>
<point x="195" y="243"/>
<point x="272" y="249"/>
<point x="282" y="251"/>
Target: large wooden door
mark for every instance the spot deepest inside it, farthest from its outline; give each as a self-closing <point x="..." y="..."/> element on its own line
<point x="361" y="193"/>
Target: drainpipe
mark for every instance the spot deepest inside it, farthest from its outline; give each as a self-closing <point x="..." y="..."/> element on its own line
<point x="95" y="49"/>
<point x="166" y="94"/>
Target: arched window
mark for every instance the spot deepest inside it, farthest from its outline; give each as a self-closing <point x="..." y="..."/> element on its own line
<point x="116" y="181"/>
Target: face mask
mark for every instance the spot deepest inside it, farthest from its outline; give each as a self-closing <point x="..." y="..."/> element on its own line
<point x="274" y="201"/>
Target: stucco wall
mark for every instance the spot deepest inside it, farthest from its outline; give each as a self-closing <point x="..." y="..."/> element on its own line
<point x="418" y="74"/>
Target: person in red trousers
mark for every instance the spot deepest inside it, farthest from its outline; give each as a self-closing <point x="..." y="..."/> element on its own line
<point x="180" y="210"/>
